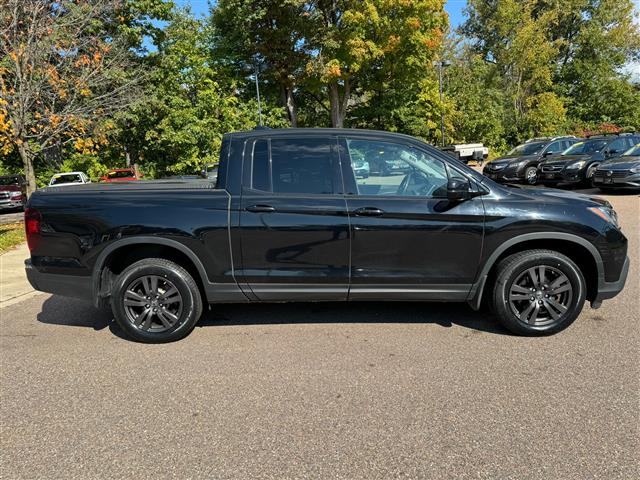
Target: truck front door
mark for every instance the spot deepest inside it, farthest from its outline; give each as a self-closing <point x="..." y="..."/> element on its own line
<point x="408" y="241"/>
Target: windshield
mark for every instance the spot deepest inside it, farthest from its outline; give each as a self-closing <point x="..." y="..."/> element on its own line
<point x="527" y="149"/>
<point x="70" y="178"/>
<point x="9" y="181"/>
<point x="633" y="151"/>
<point x="121" y="174"/>
<point x="585" y="148"/>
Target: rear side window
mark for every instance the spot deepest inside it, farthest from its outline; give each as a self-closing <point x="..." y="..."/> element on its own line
<point x="288" y="165"/>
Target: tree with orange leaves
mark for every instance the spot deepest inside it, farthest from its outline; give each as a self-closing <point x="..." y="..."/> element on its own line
<point x="64" y="65"/>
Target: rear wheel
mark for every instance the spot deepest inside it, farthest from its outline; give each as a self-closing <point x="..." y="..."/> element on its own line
<point x="156" y="301"/>
<point x="538" y="292"/>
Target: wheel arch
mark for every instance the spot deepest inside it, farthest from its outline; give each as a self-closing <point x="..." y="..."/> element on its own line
<point x="581" y="251"/>
<point x="102" y="276"/>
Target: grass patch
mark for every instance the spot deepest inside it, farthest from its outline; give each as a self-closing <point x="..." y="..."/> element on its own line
<point x="11" y="235"/>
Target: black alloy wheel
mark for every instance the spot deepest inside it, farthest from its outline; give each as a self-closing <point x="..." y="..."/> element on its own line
<point x="538" y="292"/>
<point x="156" y="300"/>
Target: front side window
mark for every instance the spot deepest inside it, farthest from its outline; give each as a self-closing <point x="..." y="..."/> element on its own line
<point x="293" y="165"/>
<point x="554" y="148"/>
<point x="396" y="170"/>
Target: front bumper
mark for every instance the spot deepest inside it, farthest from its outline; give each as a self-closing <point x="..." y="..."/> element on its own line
<point x="608" y="290"/>
<point x="66" y="285"/>
<point x="630" y="181"/>
<point x="507" y="175"/>
<point x="562" y="176"/>
<point x="11" y="204"/>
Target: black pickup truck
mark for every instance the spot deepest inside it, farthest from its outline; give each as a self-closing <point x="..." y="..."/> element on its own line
<point x="287" y="220"/>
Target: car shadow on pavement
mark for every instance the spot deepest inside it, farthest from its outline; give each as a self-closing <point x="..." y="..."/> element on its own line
<point x="72" y="312"/>
<point x="443" y="314"/>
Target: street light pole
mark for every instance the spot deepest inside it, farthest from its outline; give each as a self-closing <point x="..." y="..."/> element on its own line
<point x="258" y="95"/>
<point x="440" y="65"/>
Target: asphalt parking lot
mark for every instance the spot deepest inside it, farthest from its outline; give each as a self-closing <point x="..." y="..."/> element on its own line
<point x="363" y="390"/>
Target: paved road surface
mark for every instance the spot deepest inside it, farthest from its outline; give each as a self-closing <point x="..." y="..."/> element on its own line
<point x="323" y="391"/>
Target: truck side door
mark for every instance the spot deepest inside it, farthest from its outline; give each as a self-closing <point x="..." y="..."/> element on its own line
<point x="408" y="240"/>
<point x="294" y="227"/>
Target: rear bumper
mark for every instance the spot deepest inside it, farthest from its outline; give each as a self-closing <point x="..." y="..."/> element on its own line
<point x="65" y="285"/>
<point x="608" y="290"/>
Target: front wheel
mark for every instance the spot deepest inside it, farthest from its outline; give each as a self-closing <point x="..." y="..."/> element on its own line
<point x="156" y="301"/>
<point x="531" y="175"/>
<point x="538" y="292"/>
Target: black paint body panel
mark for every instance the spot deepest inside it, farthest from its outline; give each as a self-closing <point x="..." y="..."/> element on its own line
<point x="315" y="247"/>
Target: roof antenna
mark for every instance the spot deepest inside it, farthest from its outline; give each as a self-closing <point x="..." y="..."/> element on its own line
<point x="258" y="94"/>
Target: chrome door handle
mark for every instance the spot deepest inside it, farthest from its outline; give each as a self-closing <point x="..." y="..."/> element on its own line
<point x="368" y="212"/>
<point x="260" y="209"/>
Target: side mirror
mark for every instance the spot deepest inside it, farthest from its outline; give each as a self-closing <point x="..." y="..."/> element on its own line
<point x="458" y="189"/>
<point x="547" y="153"/>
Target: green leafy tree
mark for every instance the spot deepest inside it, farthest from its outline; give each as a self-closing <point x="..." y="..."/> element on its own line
<point x="268" y="34"/>
<point x="190" y="104"/>
<point x="365" y="49"/>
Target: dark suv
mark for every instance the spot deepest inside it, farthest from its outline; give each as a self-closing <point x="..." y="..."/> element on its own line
<point x="578" y="164"/>
<point x="620" y="172"/>
<point x="521" y="163"/>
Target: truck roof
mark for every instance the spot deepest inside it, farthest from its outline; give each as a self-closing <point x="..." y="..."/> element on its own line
<point x="270" y="132"/>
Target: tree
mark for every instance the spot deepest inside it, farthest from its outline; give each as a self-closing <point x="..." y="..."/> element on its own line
<point x="266" y="33"/>
<point x="351" y="39"/>
<point x="64" y="65"/>
<point x="189" y="103"/>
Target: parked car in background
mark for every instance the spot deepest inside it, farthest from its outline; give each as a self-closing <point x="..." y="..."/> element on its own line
<point x="68" y="178"/>
<point x="13" y="193"/>
<point x="290" y="221"/>
<point x="578" y="163"/>
<point x="620" y="172"/>
<point x="467" y="152"/>
<point x="520" y="165"/>
<point x="210" y="172"/>
<point x="121" y="175"/>
<point x="361" y="168"/>
<point x="182" y="177"/>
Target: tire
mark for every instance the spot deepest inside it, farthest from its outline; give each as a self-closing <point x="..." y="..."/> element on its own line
<point x="531" y="176"/>
<point x="512" y="292"/>
<point x="588" y="176"/>
<point x="156" y="301"/>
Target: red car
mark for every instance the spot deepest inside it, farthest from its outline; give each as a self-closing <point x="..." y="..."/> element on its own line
<point x="121" y="175"/>
<point x="12" y="192"/>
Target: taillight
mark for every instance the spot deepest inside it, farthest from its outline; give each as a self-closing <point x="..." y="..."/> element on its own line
<point x="32" y="227"/>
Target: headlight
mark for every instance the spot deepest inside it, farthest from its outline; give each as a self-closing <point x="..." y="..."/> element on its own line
<point x="576" y="165"/>
<point x="607" y="214"/>
<point x="635" y="169"/>
<point x="15" y="194"/>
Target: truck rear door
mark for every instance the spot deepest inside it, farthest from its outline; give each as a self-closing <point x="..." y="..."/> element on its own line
<point x="293" y="221"/>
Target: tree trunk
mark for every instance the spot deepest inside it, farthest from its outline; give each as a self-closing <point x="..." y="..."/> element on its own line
<point x="339" y="102"/>
<point x="27" y="161"/>
<point x="288" y="102"/>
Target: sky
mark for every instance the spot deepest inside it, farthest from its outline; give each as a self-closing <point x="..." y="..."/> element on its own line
<point x="453" y="7"/>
